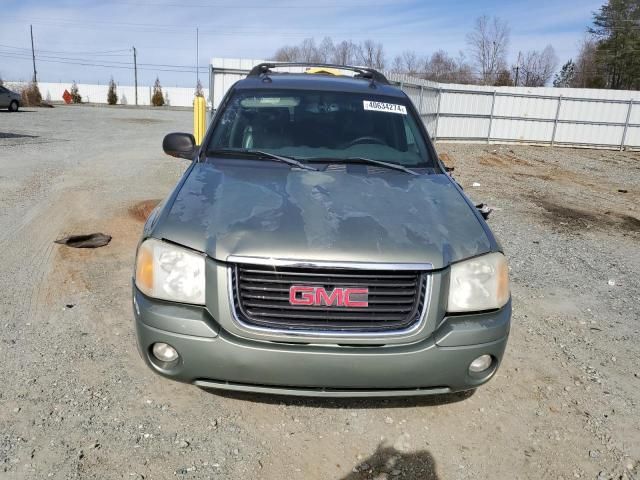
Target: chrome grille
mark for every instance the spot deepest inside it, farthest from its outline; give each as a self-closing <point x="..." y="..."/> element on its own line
<point x="261" y="294"/>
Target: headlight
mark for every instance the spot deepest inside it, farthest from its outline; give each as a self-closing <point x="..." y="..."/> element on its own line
<point x="170" y="272"/>
<point x="481" y="283"/>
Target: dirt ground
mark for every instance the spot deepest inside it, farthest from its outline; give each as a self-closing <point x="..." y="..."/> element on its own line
<point x="76" y="401"/>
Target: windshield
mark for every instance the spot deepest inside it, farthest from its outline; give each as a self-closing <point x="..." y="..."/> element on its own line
<point x="319" y="125"/>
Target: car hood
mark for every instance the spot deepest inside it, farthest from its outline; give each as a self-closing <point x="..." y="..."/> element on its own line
<point x="349" y="213"/>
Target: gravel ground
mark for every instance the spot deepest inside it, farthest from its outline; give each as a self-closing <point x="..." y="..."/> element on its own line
<point x="76" y="401"/>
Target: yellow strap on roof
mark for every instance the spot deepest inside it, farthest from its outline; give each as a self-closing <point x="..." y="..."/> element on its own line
<point x="325" y="70"/>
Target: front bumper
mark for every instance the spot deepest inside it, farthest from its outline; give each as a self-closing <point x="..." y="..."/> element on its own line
<point x="211" y="357"/>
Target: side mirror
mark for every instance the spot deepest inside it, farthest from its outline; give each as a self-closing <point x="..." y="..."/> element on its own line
<point x="181" y="145"/>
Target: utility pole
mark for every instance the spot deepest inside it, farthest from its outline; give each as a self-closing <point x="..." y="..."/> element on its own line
<point x="33" y="55"/>
<point x="135" y="73"/>
<point x="517" y="70"/>
<point x="197" y="56"/>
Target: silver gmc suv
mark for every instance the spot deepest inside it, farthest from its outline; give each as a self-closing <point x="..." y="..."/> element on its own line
<point x="317" y="246"/>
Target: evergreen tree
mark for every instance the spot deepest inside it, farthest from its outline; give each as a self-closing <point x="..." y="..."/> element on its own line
<point x="199" y="91"/>
<point x="112" y="95"/>
<point x="157" y="99"/>
<point x="566" y="76"/>
<point x="75" y="94"/>
<point x="618" y="42"/>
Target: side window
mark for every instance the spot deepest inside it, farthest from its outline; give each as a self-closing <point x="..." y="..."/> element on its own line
<point x="226" y="129"/>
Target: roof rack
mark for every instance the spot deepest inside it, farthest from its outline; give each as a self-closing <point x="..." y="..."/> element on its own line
<point x="361" y="72"/>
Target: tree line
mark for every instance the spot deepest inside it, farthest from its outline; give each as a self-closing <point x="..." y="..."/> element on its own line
<point x="609" y="56"/>
<point x="485" y="61"/>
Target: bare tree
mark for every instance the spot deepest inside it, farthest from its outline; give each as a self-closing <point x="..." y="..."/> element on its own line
<point x="503" y="79"/>
<point x="537" y="67"/>
<point x="287" y="54"/>
<point x="588" y="73"/>
<point x="396" y="64"/>
<point x="326" y="49"/>
<point x="488" y="42"/>
<point x="440" y="67"/>
<point x="309" y="51"/>
<point x="408" y="63"/>
<point x="305" y="52"/>
<point x="411" y="62"/>
<point x="371" y="54"/>
<point x="345" y="53"/>
<point x="465" y="71"/>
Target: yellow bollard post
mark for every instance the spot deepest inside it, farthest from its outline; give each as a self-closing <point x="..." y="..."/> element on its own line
<point x="199" y="112"/>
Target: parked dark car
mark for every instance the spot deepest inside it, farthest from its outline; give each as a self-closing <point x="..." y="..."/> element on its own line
<point x="317" y="246"/>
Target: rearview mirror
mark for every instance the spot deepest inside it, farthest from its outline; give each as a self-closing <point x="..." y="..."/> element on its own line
<point x="181" y="145"/>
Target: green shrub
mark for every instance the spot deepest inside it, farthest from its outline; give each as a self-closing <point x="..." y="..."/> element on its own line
<point x="157" y="99"/>
<point x="112" y="95"/>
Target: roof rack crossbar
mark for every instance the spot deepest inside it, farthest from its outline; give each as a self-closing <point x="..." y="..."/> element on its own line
<point x="266" y="68"/>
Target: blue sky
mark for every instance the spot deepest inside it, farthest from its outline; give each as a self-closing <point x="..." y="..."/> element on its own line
<point x="164" y="31"/>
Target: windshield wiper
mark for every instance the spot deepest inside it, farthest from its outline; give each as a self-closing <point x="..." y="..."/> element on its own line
<point x="394" y="166"/>
<point x="260" y="154"/>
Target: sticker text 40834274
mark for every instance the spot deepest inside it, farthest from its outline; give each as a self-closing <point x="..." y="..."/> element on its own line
<point x="384" y="107"/>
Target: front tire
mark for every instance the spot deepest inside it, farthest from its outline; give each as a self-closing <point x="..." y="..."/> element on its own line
<point x="13" y="106"/>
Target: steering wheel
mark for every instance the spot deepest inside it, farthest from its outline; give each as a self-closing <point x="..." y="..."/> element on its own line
<point x="365" y="139"/>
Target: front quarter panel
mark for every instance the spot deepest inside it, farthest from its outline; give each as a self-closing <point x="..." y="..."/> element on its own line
<point x="162" y="210"/>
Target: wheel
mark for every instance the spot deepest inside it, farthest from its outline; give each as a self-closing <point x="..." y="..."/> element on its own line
<point x="13" y="106"/>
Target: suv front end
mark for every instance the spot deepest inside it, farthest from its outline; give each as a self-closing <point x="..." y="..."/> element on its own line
<point x="331" y="277"/>
<point x="218" y="347"/>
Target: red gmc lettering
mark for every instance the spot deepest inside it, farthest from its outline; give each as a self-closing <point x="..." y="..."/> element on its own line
<point x="356" y="291"/>
<point x="338" y="297"/>
<point x="306" y="297"/>
<point x="335" y="298"/>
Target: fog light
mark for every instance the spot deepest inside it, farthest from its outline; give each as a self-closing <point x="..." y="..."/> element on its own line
<point x="164" y="352"/>
<point x="480" y="364"/>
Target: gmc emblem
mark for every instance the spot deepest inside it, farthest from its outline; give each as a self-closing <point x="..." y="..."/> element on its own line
<point x="338" y="297"/>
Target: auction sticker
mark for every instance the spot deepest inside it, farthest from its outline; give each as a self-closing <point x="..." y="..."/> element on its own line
<point x="384" y="107"/>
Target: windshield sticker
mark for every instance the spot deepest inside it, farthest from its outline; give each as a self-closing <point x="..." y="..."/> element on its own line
<point x="384" y="107"/>
<point x="258" y="102"/>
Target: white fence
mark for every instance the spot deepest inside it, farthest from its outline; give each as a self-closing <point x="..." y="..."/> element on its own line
<point x="554" y="116"/>
<point x="537" y="115"/>
<point x="174" y="96"/>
